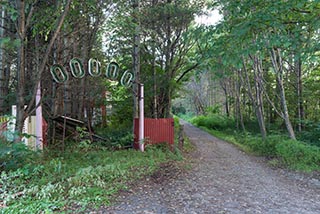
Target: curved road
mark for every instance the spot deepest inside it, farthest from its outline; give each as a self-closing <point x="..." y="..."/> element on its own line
<point x="223" y="179"/>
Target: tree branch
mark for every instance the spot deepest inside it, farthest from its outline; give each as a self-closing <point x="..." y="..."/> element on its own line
<point x="187" y="71"/>
<point x="48" y="50"/>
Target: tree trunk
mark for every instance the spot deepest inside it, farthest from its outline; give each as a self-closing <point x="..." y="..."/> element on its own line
<point x="300" y="108"/>
<point x="278" y="67"/>
<point x="3" y="90"/>
<point x="23" y="24"/>
<point x="259" y="92"/>
<point x="224" y="86"/>
<point x="136" y="57"/>
<point x="285" y="107"/>
<point x="256" y="99"/>
<point x="239" y="115"/>
<point x="168" y="69"/>
<point x="84" y="99"/>
<point x="154" y="73"/>
<point x="21" y="68"/>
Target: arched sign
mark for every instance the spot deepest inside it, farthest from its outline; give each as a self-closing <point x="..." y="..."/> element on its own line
<point x="76" y="68"/>
<point x="60" y="75"/>
<point x="94" y="67"/>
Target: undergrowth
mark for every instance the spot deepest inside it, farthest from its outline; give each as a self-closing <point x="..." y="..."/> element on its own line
<point x="75" y="178"/>
<point x="83" y="175"/>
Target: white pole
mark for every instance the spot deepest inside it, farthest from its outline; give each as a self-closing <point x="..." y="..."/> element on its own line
<point x="141" y="119"/>
<point x="39" y="139"/>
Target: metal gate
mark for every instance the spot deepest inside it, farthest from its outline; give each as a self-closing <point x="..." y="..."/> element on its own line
<point x="155" y="131"/>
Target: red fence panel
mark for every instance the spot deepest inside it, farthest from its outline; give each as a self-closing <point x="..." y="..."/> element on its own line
<point x="155" y="131"/>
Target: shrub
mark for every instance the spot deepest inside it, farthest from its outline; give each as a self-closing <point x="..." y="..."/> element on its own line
<point x="188" y="116"/>
<point x="216" y="109"/>
<point x="213" y="121"/>
<point x="116" y="137"/>
<point x="310" y="133"/>
<point x="298" y="155"/>
<point x="263" y="147"/>
<point x="14" y="155"/>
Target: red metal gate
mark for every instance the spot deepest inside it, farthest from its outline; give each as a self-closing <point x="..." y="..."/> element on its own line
<point x="155" y="131"/>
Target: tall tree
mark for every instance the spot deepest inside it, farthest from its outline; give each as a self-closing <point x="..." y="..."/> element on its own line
<point x="164" y="44"/>
<point x="24" y="13"/>
<point x="269" y="38"/>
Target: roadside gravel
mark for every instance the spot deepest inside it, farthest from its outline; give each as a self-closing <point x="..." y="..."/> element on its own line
<point x="222" y="179"/>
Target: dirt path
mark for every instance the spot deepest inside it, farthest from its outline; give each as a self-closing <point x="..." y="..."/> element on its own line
<point x="222" y="180"/>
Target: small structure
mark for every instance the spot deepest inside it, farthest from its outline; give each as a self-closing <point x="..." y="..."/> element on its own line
<point x="66" y="127"/>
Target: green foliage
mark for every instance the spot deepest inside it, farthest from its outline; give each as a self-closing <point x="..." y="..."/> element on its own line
<point x="122" y="106"/>
<point x="215" y="109"/>
<point x="294" y="154"/>
<point x="298" y="155"/>
<point x="261" y="147"/>
<point x="14" y="155"/>
<point x="76" y="178"/>
<point x="116" y="137"/>
<point x="188" y="116"/>
<point x="9" y="43"/>
<point x="176" y="123"/>
<point x="178" y="110"/>
<point x="310" y="133"/>
<point x="213" y="121"/>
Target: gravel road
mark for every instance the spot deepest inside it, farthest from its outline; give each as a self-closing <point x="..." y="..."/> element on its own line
<point x="222" y="179"/>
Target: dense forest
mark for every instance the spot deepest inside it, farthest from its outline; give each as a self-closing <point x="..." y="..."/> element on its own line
<point x="259" y="64"/>
<point x="148" y="38"/>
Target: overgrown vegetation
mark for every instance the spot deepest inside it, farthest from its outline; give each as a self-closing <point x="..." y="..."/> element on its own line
<point x="84" y="174"/>
<point x="294" y="154"/>
<point x="77" y="177"/>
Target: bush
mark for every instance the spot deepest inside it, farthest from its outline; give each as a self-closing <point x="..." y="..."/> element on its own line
<point x="116" y="137"/>
<point x="188" y="116"/>
<point x="216" y="109"/>
<point x="298" y="155"/>
<point x="213" y="121"/>
<point x="14" y="155"/>
<point x="310" y="133"/>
